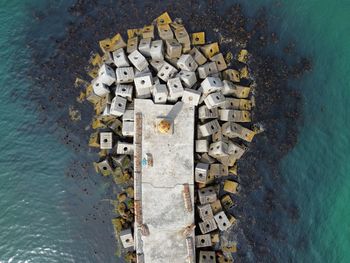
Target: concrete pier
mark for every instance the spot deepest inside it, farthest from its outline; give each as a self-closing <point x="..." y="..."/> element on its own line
<point x="167" y="169"/>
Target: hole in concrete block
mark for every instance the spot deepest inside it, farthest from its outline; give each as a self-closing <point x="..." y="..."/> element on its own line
<point x="125" y="149"/>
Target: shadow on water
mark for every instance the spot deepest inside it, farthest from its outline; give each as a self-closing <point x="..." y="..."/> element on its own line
<point x="263" y="214"/>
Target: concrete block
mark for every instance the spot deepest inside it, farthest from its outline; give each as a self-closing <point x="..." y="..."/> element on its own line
<point x="116" y="126"/>
<point x="148" y="31"/>
<point x="236" y="150"/>
<point x="205" y="113"/>
<point x="222" y="221"/>
<point x="143" y="85"/>
<point x="175" y="88"/>
<point x="165" y="32"/>
<point x="128" y="128"/>
<point x="127" y="238"/>
<point x="205" y="212"/>
<point x="228" y="88"/>
<point x="241" y="92"/>
<point x="216" y="206"/>
<point x="201" y="172"/>
<point x="210" y="50"/>
<point x="207" y="69"/>
<point x="207" y="226"/>
<point x="120" y="59"/>
<point x="198" y="38"/>
<point x="218" y="170"/>
<point x="107" y="58"/>
<point x="218" y="149"/>
<point x="218" y="136"/>
<point x="191" y="97"/>
<point x="99" y="88"/>
<point x="125" y="148"/>
<point x="124" y="91"/>
<point x="106" y="75"/>
<point x="145" y="72"/>
<point x="106" y="141"/>
<point x="207" y="195"/>
<point x="202" y="146"/>
<point x="198" y="56"/>
<point x="122" y="161"/>
<point x="188" y="78"/>
<point x="211" y="84"/>
<point x="182" y="36"/>
<point x="145" y="46"/>
<point x="128" y="115"/>
<point x="203" y="240"/>
<point x="166" y="72"/>
<point x="118" y="106"/>
<point x="219" y="61"/>
<point x="157" y="64"/>
<point x="160" y="93"/>
<point x="173" y="48"/>
<point x="227" y="202"/>
<point x="209" y="128"/>
<point x="205" y="158"/>
<point x="233" y="130"/>
<point x="230" y="186"/>
<point x="214" y="100"/>
<point x="138" y="60"/>
<point x="91" y="96"/>
<point x="132" y="44"/>
<point x="104" y="167"/>
<point x="125" y="75"/>
<point x="234" y="115"/>
<point x="186" y="62"/>
<point x="231" y="75"/>
<point x="238" y="104"/>
<point x="157" y="50"/>
<point x="207" y="257"/>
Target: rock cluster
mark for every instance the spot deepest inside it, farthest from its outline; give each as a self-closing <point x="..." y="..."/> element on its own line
<point x="177" y="66"/>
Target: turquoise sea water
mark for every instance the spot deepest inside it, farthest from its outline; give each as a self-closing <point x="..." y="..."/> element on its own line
<point x="43" y="213"/>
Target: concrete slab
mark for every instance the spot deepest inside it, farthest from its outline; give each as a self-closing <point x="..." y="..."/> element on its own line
<point x="163" y="207"/>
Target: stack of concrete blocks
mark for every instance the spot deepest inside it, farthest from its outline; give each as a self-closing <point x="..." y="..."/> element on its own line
<point x="162" y="65"/>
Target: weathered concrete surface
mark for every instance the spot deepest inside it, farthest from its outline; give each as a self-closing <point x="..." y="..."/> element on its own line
<point x="163" y="207"/>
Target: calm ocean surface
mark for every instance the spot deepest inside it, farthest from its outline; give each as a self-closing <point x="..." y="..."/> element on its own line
<point x="46" y="217"/>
